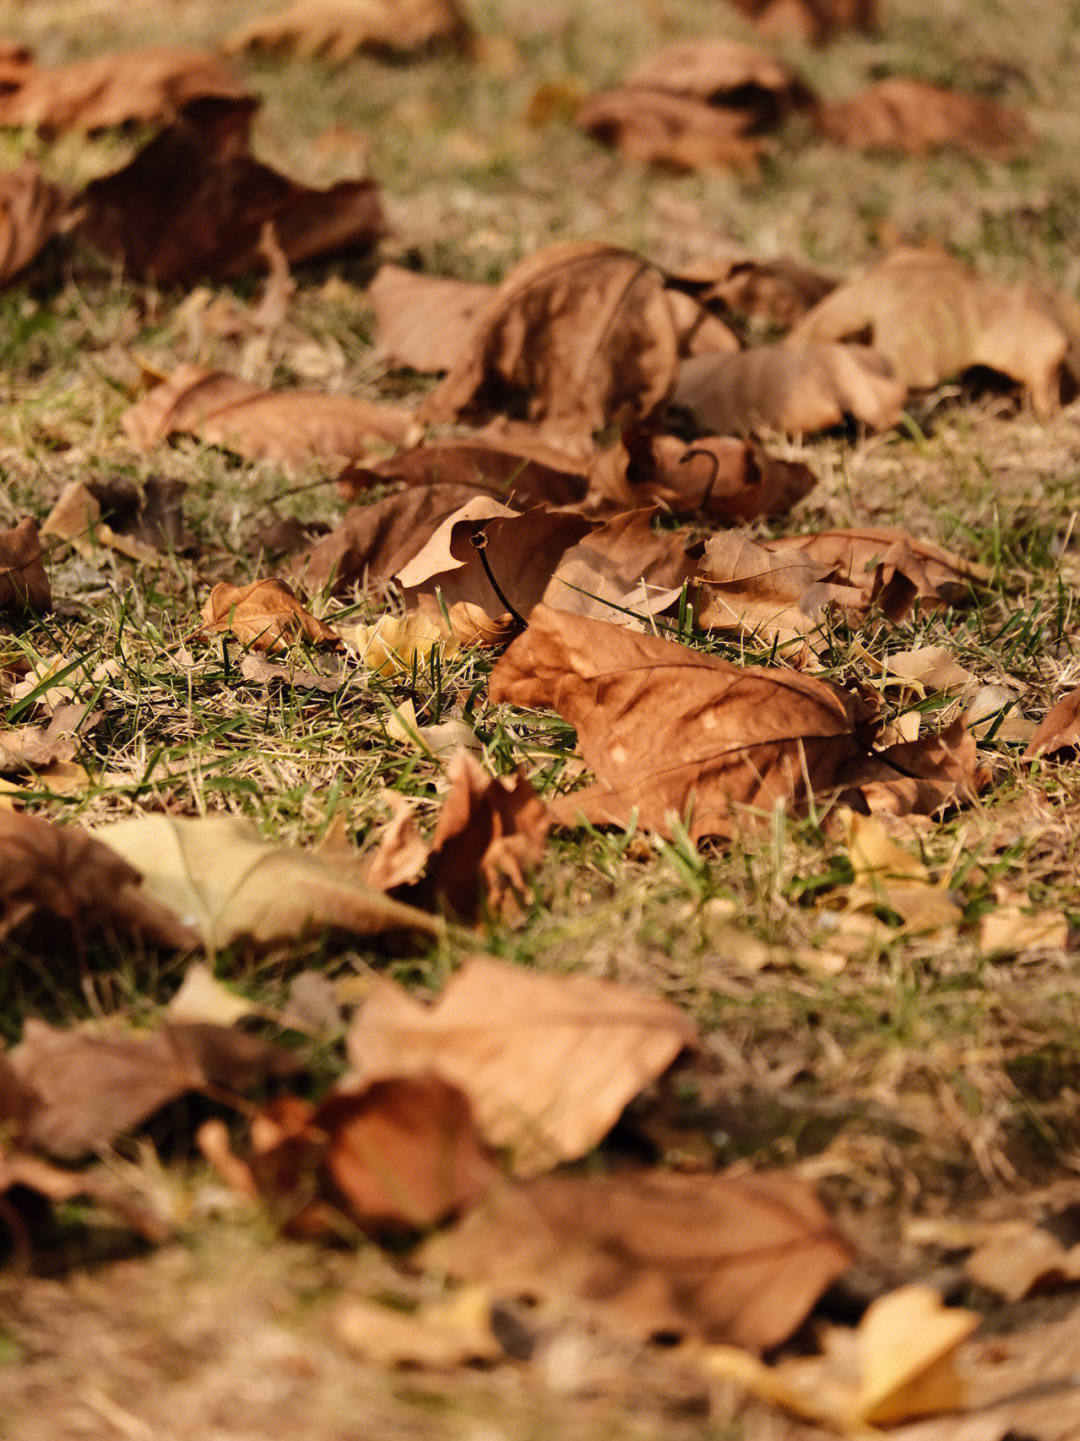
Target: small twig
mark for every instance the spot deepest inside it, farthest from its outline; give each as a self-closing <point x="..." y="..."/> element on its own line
<point x="693" y="454"/>
<point x="480" y="541"/>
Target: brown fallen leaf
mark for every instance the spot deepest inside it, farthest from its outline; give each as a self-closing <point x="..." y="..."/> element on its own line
<point x="1015" y="928"/>
<point x="778" y="292"/>
<point x="913" y="117"/>
<point x="24" y="584"/>
<point x="337" y="29"/>
<point x="920" y="777"/>
<point x="724" y="72"/>
<point x="670" y="730"/>
<point x="376" y="541"/>
<point x="32" y="211"/>
<point x="1019" y="1259"/>
<point x="680" y="132"/>
<point x="797" y="389"/>
<point x="123" y="87"/>
<point x="1059" y="730"/>
<point x="395" y="1156"/>
<point x="491" y="833"/>
<point x="891" y="569"/>
<point x="397" y="644"/>
<point x="521" y="475"/>
<point x="885" y="874"/>
<point x="933" y="317"/>
<point x="548" y="1061"/>
<point x="729" y="1258"/>
<point x="228" y="883"/>
<point x="90" y="1084"/>
<point x="23" y="1172"/>
<point x="582" y="332"/>
<point x="422" y="321"/>
<point x="77" y="517"/>
<point x="193" y="203"/>
<point x="290" y="427"/>
<point x="265" y="615"/>
<point x="898" y="1364"/>
<point x="507" y="572"/>
<point x="814" y="21"/>
<point x="624" y="564"/>
<point x="62" y="872"/>
<point x="775" y="596"/>
<point x="727" y="479"/>
<point x="30" y="748"/>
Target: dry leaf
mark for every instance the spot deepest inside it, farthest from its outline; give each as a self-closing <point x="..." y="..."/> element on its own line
<point x="1058" y="731"/>
<point x="898" y="1364"/>
<point x="400" y="854"/>
<point x="32" y="211"/>
<point x="23" y="582"/>
<point x="88" y="1085"/>
<point x="583" y="332"/>
<point x="734" y="1258"/>
<point x="669" y="729"/>
<point x="123" y="87"/>
<point x="193" y="203"/>
<point x="724" y="72"/>
<point x="913" y="117"/>
<point x="777" y="291"/>
<point x="64" y="873"/>
<point x="522" y="475"/>
<point x="77" y="518"/>
<point x="800" y="389"/>
<point x="441" y="1334"/>
<point x="376" y="541"/>
<point x="884" y="874"/>
<point x="726" y="479"/>
<point x="203" y="999"/>
<point x="814" y="21"/>
<point x="32" y="1173"/>
<point x="226" y="882"/>
<point x="30" y="748"/>
<point x="891" y="569"/>
<point x="548" y="1061"/>
<point x="423" y="321"/>
<point x="518" y="554"/>
<point x="931" y="667"/>
<point x="291" y="427"/>
<point x="265" y="615"/>
<point x="398" y="644"/>
<point x="623" y="564"/>
<point x="1019" y="1259"/>
<point x="337" y="29"/>
<point x="652" y="127"/>
<point x="920" y="777"/>
<point x="933" y="317"/>
<point x="396" y="1156"/>
<point x="1018" y="930"/>
<point x="776" y="596"/>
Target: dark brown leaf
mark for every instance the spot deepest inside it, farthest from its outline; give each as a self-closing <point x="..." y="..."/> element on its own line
<point x="913" y="117"/>
<point x="1059" y="730"/>
<point x="738" y="1259"/>
<point x="32" y="211"/>
<point x="670" y="730"/>
<point x="920" y="777"/>
<point x="23" y="582"/>
<point x="291" y="427"/>
<point x="194" y="202"/>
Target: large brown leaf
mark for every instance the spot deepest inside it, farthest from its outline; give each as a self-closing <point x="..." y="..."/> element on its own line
<point x="125" y="87"/>
<point x="772" y="595"/>
<point x="548" y="1062"/>
<point x="815" y="21"/>
<point x="521" y="475"/>
<point x="63" y="873"/>
<point x="913" y="117"/>
<point x="229" y="884"/>
<point x="24" y="584"/>
<point x="583" y="333"/>
<point x="291" y="427"/>
<point x="491" y="833"/>
<point x="521" y="550"/>
<point x="719" y="476"/>
<point x="375" y="541"/>
<point x="921" y="777"/>
<point x="798" y="388"/>
<point x="32" y="211"/>
<point x="667" y="729"/>
<point x="89" y="1085"/>
<point x="740" y="1259"/>
<point x="626" y="564"/>
<point x="337" y="29"/>
<point x="193" y="202"/>
<point x="265" y="615"/>
<point x="890" y="568"/>
<point x="423" y="321"/>
<point x="934" y="317"/>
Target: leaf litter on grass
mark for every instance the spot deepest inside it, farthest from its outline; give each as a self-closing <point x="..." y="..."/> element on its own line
<point x="729" y="690"/>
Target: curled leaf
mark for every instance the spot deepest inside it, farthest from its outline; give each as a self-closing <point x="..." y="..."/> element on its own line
<point x="265" y="614"/>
